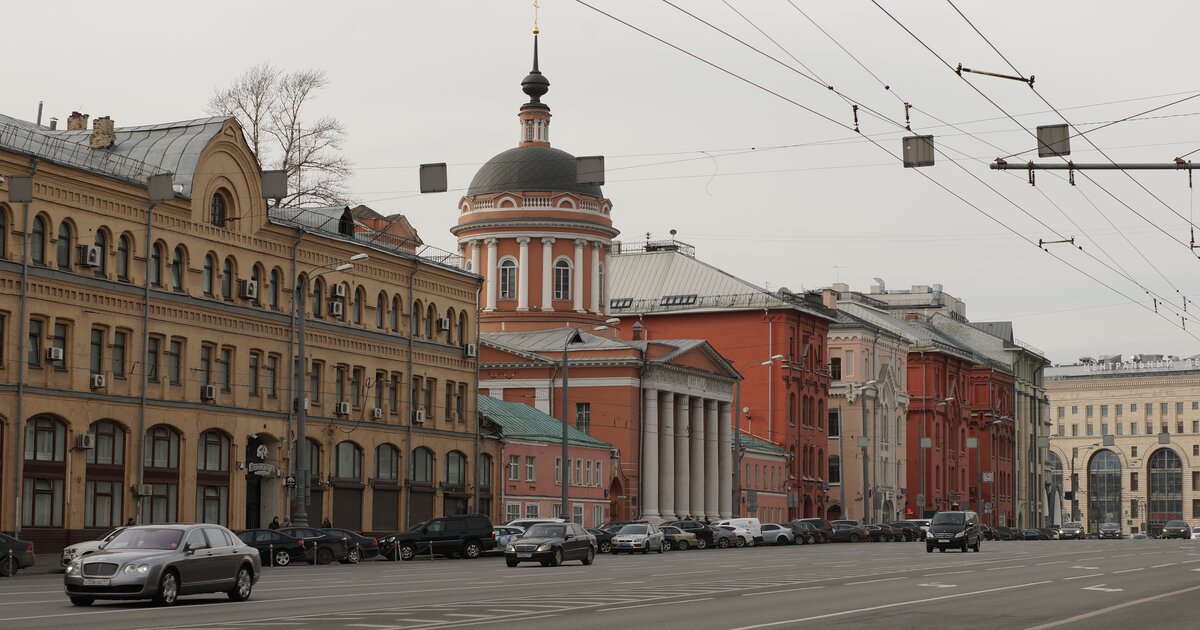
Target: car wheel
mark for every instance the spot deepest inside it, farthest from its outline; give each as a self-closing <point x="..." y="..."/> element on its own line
<point x="407" y="552"/>
<point x="557" y="558"/>
<point x="471" y="550"/>
<point x="853" y="538"/>
<point x="168" y="588"/>
<point x="941" y="550"/>
<point x="782" y="540"/>
<point x="741" y="542"/>
<point x="681" y="545"/>
<point x="701" y="543"/>
<point x="511" y="562"/>
<point x="663" y="546"/>
<point x="8" y="567"/>
<point x="353" y="556"/>
<point x="723" y="543"/>
<point x="646" y="548"/>
<point x="324" y="555"/>
<point x="928" y="548"/>
<point x="242" y="585"/>
<point x="82" y="601"/>
<point x="605" y="547"/>
<point x="590" y="557"/>
<point x="977" y="544"/>
<point x="282" y="558"/>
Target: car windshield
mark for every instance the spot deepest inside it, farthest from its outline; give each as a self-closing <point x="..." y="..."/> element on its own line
<point x="1175" y="524"/>
<point x="1109" y="526"/>
<point x="544" y="531"/>
<point x="633" y="529"/>
<point x="113" y="534"/>
<point x="149" y="538"/>
<point x="418" y="527"/>
<point x="1073" y="526"/>
<point x="949" y="518"/>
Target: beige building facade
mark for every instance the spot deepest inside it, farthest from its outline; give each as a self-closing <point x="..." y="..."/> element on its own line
<point x="1127" y="430"/>
<point x="181" y="407"/>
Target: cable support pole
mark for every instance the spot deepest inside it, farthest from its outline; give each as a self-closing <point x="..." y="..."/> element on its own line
<point x="960" y="69"/>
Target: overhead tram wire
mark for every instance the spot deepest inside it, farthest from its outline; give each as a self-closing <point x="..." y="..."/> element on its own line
<point x="919" y="171"/>
<point x="1120" y="271"/>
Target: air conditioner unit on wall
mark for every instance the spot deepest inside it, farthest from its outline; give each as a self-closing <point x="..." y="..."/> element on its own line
<point x="342" y="408"/>
<point x="208" y="392"/>
<point x="335" y="309"/>
<point x="54" y="354"/>
<point x="85" y="441"/>
<point x="443" y="324"/>
<point x="89" y="255"/>
<point x="418" y="416"/>
<point x="249" y="289"/>
<point x="143" y="490"/>
<point x="470" y="350"/>
<point x="96" y="381"/>
<point x="377" y="413"/>
<point x="339" y="290"/>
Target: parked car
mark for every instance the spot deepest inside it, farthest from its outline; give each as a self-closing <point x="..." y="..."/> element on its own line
<point x="824" y="529"/>
<point x="275" y="548"/>
<point x="883" y="533"/>
<point x="615" y="526"/>
<point x="725" y="538"/>
<point x="1071" y="531"/>
<point x="703" y="532"/>
<point x="1033" y="534"/>
<point x="551" y="544"/>
<point x="465" y="536"/>
<point x="1177" y="529"/>
<point x="15" y="555"/>
<point x="1139" y="536"/>
<point x="954" y="529"/>
<point x="526" y="523"/>
<point x="677" y="538"/>
<point x="1052" y="534"/>
<point x="1196" y="534"/>
<point x="752" y="525"/>
<point x="845" y="532"/>
<point x="329" y="546"/>
<point x="742" y="536"/>
<point x="1110" y="530"/>
<point x="81" y="549"/>
<point x="777" y="534"/>
<point x="644" y="537"/>
<point x="1008" y="533"/>
<point x="806" y="533"/>
<point x="358" y="547"/>
<point x="162" y="562"/>
<point x="504" y="535"/>
<point x="603" y="539"/>
<point x="910" y="530"/>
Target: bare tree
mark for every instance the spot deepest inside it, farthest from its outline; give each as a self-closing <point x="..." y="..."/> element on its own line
<point x="270" y="106"/>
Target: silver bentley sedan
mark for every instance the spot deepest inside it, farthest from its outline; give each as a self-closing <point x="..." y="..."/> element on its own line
<point x="162" y="562"/>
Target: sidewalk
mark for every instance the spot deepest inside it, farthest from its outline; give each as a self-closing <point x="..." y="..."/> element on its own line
<point x="46" y="563"/>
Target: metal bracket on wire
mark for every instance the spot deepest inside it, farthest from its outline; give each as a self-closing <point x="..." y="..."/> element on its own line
<point x="1042" y="244"/>
<point x="960" y="69"/>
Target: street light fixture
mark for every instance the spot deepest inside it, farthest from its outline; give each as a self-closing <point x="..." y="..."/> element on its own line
<point x="864" y="441"/>
<point x="737" y="433"/>
<point x="573" y="336"/>
<point x="300" y="500"/>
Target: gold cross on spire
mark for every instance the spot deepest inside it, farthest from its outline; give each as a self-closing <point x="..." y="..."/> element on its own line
<point x="535" y="17"/>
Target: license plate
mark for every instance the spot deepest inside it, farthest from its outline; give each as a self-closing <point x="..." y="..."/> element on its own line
<point x="524" y="555"/>
<point x="95" y="581"/>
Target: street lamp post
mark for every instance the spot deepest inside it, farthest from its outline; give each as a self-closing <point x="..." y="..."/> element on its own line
<point x="864" y="442"/>
<point x="737" y="435"/>
<point x="572" y="337"/>
<point x="300" y="500"/>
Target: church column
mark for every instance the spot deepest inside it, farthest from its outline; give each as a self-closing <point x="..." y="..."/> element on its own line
<point x="490" y="274"/>
<point x="683" y="474"/>
<point x="725" y="462"/>
<point x="711" y="475"/>
<point x="475" y="257"/>
<point x="649" y="467"/>
<point x="696" y="442"/>
<point x="547" y="274"/>
<point x="578" y="288"/>
<point x="666" y="456"/>
<point x="595" y="301"/>
<point x="523" y="275"/>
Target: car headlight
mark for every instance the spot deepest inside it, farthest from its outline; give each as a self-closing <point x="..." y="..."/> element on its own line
<point x="960" y="534"/>
<point x="130" y="569"/>
<point x="544" y="547"/>
<point x="509" y="547"/>
<point x="69" y="552"/>
<point x="74" y="568"/>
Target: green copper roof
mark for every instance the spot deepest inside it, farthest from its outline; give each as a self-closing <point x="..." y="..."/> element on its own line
<point x="752" y="443"/>
<point x="522" y="422"/>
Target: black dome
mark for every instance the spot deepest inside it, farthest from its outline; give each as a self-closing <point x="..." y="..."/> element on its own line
<point x="533" y="169"/>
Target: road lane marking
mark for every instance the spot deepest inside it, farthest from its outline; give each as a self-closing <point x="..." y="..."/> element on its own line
<point x="1004" y="568"/>
<point x="1086" y="559"/>
<point x="1104" y="611"/>
<point x="1189" y="561"/>
<point x="1130" y="570"/>
<point x="856" y="611"/>
<point x="1042" y="564"/>
<point x="1100" y="587"/>
<point x="786" y="590"/>
<point x="938" y="585"/>
<point x="946" y="573"/>
<point x="683" y="573"/>
<point x="1088" y="568"/>
<point x="1159" y="566"/>
<point x="687" y="601"/>
<point x="1080" y="577"/>
<point x="874" y="581"/>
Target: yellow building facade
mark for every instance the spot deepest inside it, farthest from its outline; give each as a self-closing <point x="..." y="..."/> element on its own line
<point x="186" y="411"/>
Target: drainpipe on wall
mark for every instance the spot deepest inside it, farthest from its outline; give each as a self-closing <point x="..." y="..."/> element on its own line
<point x="141" y="469"/>
<point x="411" y="405"/>
<point x="474" y="401"/>
<point x="22" y="340"/>
<point x="294" y="362"/>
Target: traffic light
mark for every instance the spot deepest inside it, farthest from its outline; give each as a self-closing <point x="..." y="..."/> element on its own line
<point x="908" y="511"/>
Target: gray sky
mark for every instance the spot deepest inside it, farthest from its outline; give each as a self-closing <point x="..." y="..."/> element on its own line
<point x="811" y="203"/>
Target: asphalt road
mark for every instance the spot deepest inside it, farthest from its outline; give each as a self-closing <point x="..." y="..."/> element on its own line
<point x="1037" y="584"/>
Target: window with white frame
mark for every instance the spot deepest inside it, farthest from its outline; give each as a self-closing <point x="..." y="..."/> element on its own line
<point x="508" y="279"/>
<point x="577" y="514"/>
<point x="514" y="468"/>
<point x="597" y="515"/>
<point x="512" y="512"/>
<point x="531" y="510"/>
<point x="530" y="462"/>
<point x="562" y="279"/>
<point x="599" y="473"/>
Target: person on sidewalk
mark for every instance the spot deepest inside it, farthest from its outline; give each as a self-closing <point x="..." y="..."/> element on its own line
<point x="274" y="523"/>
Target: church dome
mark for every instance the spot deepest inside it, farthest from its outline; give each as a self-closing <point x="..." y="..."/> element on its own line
<point x="530" y="169"/>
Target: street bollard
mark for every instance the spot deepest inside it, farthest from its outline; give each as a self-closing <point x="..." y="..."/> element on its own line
<point x="271" y="551"/>
<point x="358" y="548"/>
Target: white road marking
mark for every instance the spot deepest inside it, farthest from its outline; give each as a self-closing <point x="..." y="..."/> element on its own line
<point x="786" y="590"/>
<point x="1080" y="577"/>
<point x="1103" y="611"/>
<point x="683" y="573"/>
<point x="946" y="573"/>
<point x="1159" y="566"/>
<point x="655" y="604"/>
<point x="1003" y="568"/>
<point x="1130" y="570"/>
<point x="939" y="585"/>
<point x="874" y="581"/>
<point x="1100" y="587"/>
<point x="475" y="616"/>
<point x="1042" y="564"/>
<point x="1088" y="568"/>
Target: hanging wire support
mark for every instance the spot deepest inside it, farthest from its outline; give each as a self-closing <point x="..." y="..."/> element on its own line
<point x="960" y="69"/>
<point x="1071" y="173"/>
<point x="1155" y="304"/>
<point x="854" y="108"/>
<point x="907" y="106"/>
<point x="1042" y="243"/>
<point x="1031" y="181"/>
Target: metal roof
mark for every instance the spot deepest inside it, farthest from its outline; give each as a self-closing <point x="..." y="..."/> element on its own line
<point x="551" y="340"/>
<point x="530" y="169"/>
<point x="136" y="153"/>
<point x="751" y="443"/>
<point x="521" y="422"/>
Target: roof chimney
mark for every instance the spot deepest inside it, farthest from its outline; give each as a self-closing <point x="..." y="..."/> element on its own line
<point x="102" y="133"/>
<point x="829" y="298"/>
<point x="639" y="331"/>
<point x="77" y="122"/>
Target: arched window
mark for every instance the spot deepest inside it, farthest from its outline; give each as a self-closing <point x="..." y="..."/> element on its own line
<point x="430" y="320"/>
<point x="318" y="298"/>
<point x="1056" y="474"/>
<point x="456" y="469"/>
<point x="1166" y="489"/>
<point x="104" y="490"/>
<point x="508" y="279"/>
<point x="820" y="462"/>
<point x="102" y="245"/>
<point x="414" y="323"/>
<point x="273" y="292"/>
<point x="422" y="465"/>
<point x="360" y="296"/>
<point x="394" y="315"/>
<point x="256" y="276"/>
<point x="123" y="247"/>
<point x="65" y="241"/>
<point x="37" y="241"/>
<point x="380" y="310"/>
<point x="462" y="328"/>
<point x="208" y="277"/>
<point x="348" y="464"/>
<point x="562" y="279"/>
<point x="44" y="472"/>
<point x="1104" y="489"/>
<point x="212" y="478"/>
<point x="162" y="448"/>
<point x="218" y="209"/>
<point x="161" y="461"/>
<point x="109" y="446"/>
<point x="387" y="463"/>
<point x="177" y="262"/>
<point x="227" y="276"/>
<point x="213" y="455"/>
<point x="45" y="439"/>
<point x="154" y="270"/>
<point x="484" y="472"/>
<point x="835" y="469"/>
<point x="314" y="458"/>
<point x="450" y="321"/>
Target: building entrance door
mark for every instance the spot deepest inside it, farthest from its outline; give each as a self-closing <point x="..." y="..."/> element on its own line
<point x="253" y="501"/>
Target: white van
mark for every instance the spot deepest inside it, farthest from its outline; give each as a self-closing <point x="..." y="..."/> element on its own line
<point x="751" y="524"/>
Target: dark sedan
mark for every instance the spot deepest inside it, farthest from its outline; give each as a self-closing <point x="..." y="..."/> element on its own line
<point x="551" y="544"/>
<point x="1177" y="529"/>
<point x="824" y="529"/>
<point x="845" y="532"/>
<point x="884" y="533"/>
<point x="1034" y="534"/>
<point x="703" y="532"/>
<point x="358" y="547"/>
<point x="806" y="533"/>
<point x="1110" y="530"/>
<point x="909" y="531"/>
<point x="329" y="546"/>
<point x="14" y="554"/>
<point x="276" y="549"/>
<point x="603" y="539"/>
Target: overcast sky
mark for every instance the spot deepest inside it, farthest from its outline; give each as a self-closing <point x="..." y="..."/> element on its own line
<point x="763" y="188"/>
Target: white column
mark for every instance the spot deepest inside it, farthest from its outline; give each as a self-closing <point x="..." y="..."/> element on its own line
<point x="666" y="456"/>
<point x="683" y="475"/>
<point x="649" y="467"/>
<point x="725" y="462"/>
<point x="475" y="257"/>
<point x="595" y="277"/>
<point x="490" y="274"/>
<point x="712" y="491"/>
<point x="523" y="275"/>
<point x="696" y="442"/>
<point x="578" y="282"/>
<point x="547" y="274"/>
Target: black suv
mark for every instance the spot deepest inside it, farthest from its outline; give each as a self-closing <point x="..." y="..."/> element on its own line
<point x="954" y="529"/>
<point x="463" y="536"/>
<point x="824" y="529"/>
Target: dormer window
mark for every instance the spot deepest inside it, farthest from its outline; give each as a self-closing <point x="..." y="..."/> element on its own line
<point x="218" y="210"/>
